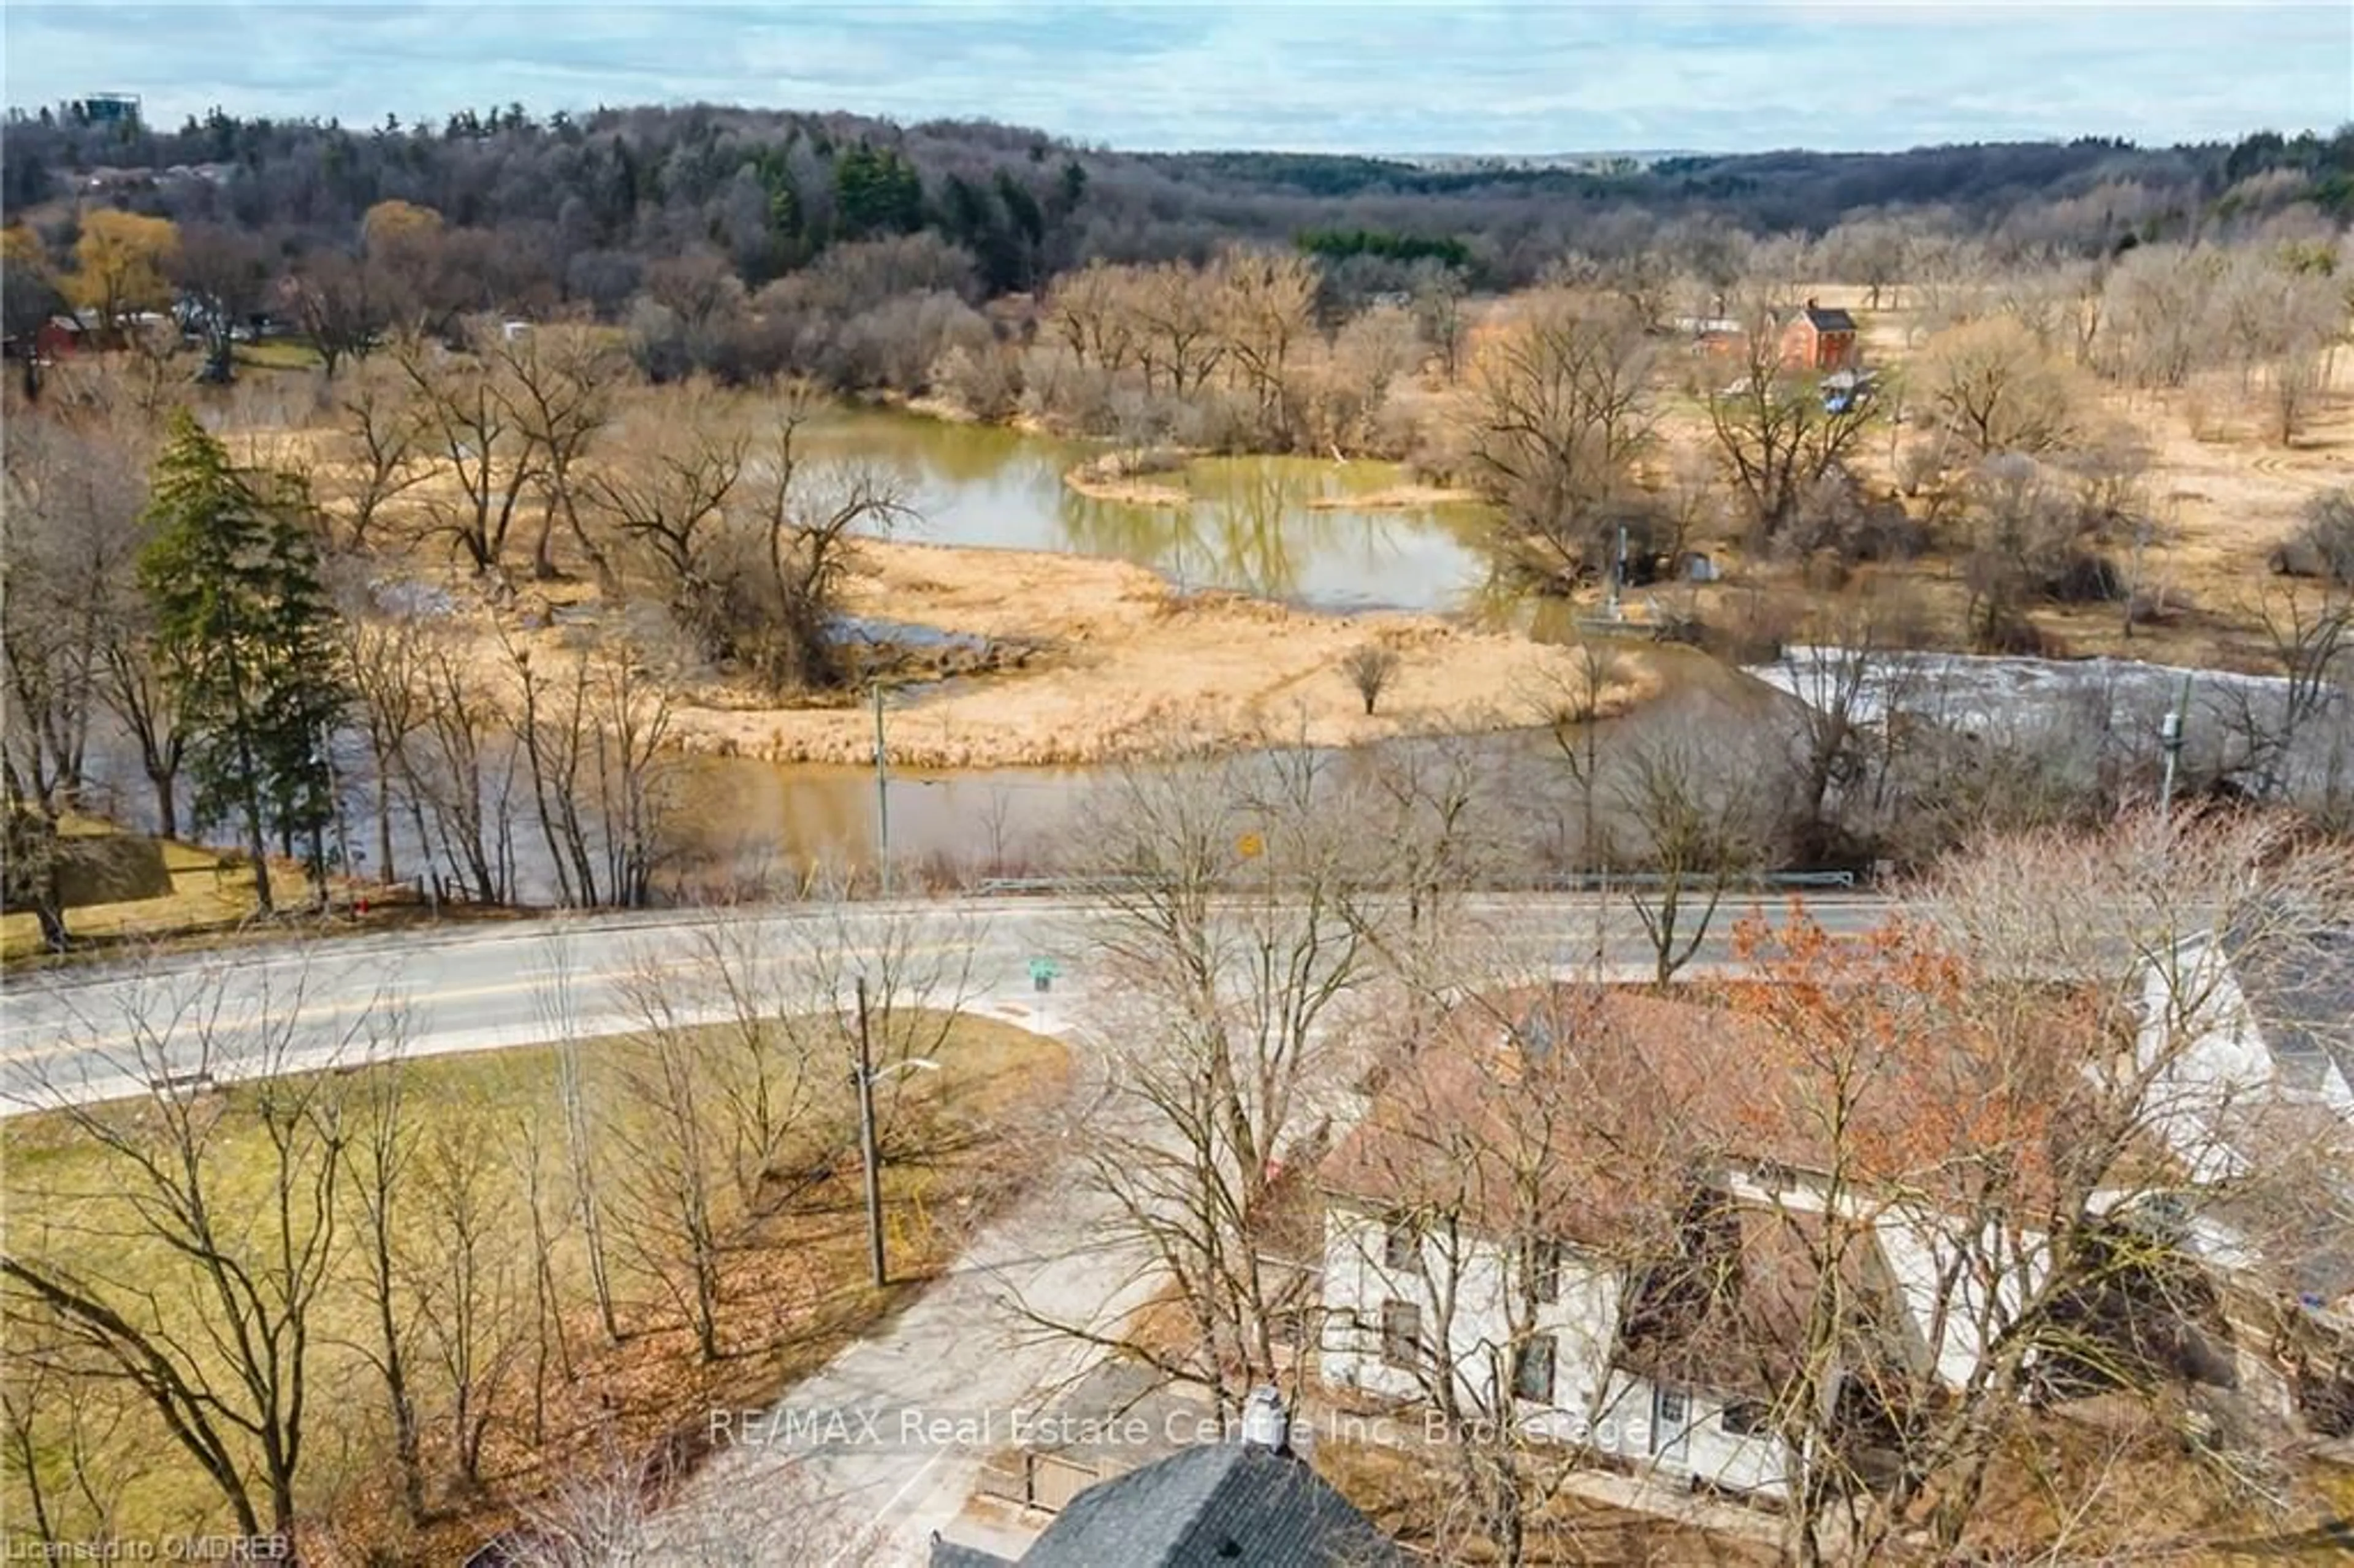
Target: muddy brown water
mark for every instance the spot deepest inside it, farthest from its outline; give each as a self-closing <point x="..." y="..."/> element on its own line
<point x="742" y="824"/>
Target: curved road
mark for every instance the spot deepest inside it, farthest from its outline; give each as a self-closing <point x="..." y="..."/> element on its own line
<point x="835" y="1473"/>
<point x="95" y="1033"/>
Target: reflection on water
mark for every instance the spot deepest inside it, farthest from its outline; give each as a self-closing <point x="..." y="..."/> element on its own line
<point x="1252" y="526"/>
<point x="742" y="823"/>
<point x="747" y="825"/>
<point x="738" y="826"/>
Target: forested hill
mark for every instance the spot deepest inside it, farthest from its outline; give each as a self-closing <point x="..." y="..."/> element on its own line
<point x="599" y="195"/>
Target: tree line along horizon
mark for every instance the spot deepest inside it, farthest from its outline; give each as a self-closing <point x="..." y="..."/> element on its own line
<point x="579" y="202"/>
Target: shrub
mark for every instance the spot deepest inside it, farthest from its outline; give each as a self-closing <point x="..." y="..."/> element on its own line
<point x="2323" y="544"/>
<point x="1369" y="669"/>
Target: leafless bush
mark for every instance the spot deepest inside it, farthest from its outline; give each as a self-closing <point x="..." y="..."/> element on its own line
<point x="1835" y="516"/>
<point x="2323" y="544"/>
<point x="979" y="378"/>
<point x="1370" y="668"/>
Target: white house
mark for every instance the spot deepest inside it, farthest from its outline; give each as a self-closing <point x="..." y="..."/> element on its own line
<point x="1637" y="1362"/>
<point x="1391" y="1290"/>
<point x="1483" y="1226"/>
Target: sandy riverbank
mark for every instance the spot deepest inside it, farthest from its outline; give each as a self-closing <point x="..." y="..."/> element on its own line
<point x="1126" y="491"/>
<point x="1398" y="498"/>
<point x="1137" y="489"/>
<point x="1128" y="667"/>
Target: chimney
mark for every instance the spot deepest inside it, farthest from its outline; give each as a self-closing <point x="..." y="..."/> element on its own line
<point x="1266" y="1424"/>
<point x="1810" y="303"/>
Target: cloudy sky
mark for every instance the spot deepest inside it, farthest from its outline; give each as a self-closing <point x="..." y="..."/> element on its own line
<point x="1338" y="76"/>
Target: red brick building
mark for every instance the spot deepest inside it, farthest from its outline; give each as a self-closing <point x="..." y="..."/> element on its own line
<point x="1818" y="339"/>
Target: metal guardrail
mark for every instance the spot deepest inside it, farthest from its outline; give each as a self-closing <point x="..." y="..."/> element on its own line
<point x="1590" y="882"/>
<point x="1579" y="882"/>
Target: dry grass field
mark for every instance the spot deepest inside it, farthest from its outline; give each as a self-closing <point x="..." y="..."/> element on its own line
<point x="1131" y="667"/>
<point x="2223" y="490"/>
<point x="796" y="1288"/>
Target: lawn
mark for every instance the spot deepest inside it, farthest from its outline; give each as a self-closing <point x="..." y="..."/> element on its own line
<point x="279" y="354"/>
<point x="210" y="904"/>
<point x="483" y="1133"/>
<point x="207" y="894"/>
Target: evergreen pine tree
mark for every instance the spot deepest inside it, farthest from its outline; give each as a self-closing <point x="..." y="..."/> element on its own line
<point x="244" y="622"/>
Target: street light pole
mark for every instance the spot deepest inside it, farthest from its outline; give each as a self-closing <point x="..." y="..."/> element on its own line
<point x="2169" y="731"/>
<point x="882" y="797"/>
<point x="862" y="1078"/>
<point x="873" y="1157"/>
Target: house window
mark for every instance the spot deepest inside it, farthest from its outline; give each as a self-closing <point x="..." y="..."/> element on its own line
<point x="1401" y="1334"/>
<point x="1673" y="1412"/>
<point x="1743" y="1417"/>
<point x="1401" y="1244"/>
<point x="1532" y="1369"/>
<point x="1544" y="1270"/>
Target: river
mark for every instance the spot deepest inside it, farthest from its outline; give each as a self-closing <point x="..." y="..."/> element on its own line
<point x="1275" y="527"/>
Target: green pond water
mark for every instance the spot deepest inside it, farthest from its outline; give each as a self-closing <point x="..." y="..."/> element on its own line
<point x="1253" y="524"/>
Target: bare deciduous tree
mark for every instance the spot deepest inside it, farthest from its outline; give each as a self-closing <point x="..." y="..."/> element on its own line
<point x="794" y="550"/>
<point x="1696" y="821"/>
<point x="1994" y="389"/>
<point x="666" y="486"/>
<point x="2022" y="529"/>
<point x="1775" y="433"/>
<point x="72" y="613"/>
<point x="558" y="386"/>
<point x="465" y="410"/>
<point x="465" y="1287"/>
<point x="198" y="1283"/>
<point x="1265" y="303"/>
<point x="2050" y="1176"/>
<point x="383" y="434"/>
<point x="556" y="999"/>
<point x="378" y="1155"/>
<point x="1476" y="1186"/>
<point x="387" y="656"/>
<point x="463" y="767"/>
<point x="1558" y="412"/>
<point x="592" y="727"/>
<point x="671" y="1185"/>
<point x="2309" y="628"/>
<point x="1236" y="936"/>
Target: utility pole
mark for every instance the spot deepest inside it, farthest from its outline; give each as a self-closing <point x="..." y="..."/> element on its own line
<point x="864" y="1077"/>
<point x="335" y="801"/>
<point x="882" y="799"/>
<point x="2170" y="732"/>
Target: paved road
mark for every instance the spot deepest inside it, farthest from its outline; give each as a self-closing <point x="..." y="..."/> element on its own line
<point x="97" y="1033"/>
<point x="861" y="1462"/>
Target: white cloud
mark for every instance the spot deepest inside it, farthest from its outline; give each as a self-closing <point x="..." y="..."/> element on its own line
<point x="1488" y="78"/>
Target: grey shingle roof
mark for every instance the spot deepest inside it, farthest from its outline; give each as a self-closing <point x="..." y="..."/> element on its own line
<point x="2301" y="993"/>
<point x="1220" y="1505"/>
<point x="948" y="1554"/>
<point x="1831" y="319"/>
